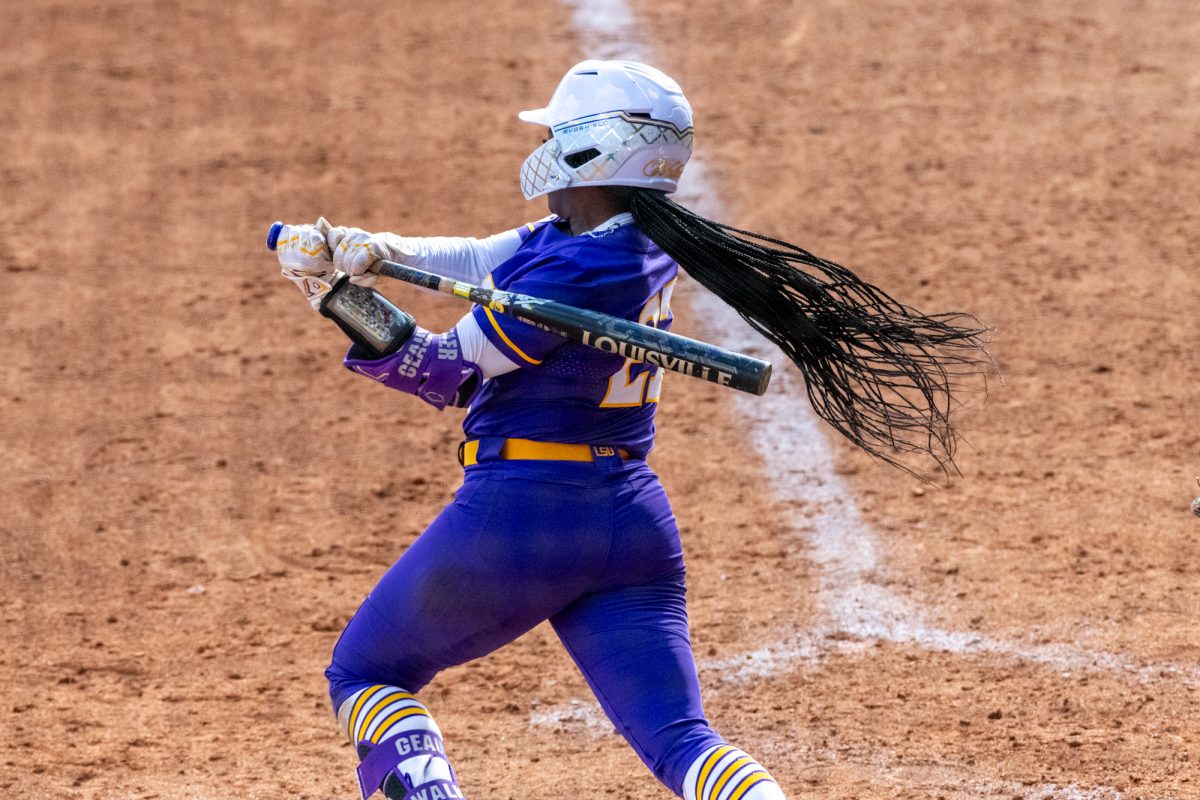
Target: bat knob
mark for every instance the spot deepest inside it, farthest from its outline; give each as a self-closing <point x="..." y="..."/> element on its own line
<point x="273" y="235"/>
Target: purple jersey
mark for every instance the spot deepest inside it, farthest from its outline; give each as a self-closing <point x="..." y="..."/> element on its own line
<point x="566" y="392"/>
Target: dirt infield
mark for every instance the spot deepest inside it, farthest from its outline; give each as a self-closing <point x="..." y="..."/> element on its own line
<point x="197" y="496"/>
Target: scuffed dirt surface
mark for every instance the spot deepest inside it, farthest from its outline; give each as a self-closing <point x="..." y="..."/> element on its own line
<point x="197" y="496"/>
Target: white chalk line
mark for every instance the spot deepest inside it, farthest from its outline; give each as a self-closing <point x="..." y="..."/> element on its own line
<point x="854" y="611"/>
<point x="841" y="542"/>
<point x="845" y="549"/>
<point x="574" y="713"/>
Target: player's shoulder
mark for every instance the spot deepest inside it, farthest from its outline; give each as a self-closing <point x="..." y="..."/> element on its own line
<point x="530" y="232"/>
<point x="599" y="260"/>
<point x="547" y="245"/>
<point x="612" y="245"/>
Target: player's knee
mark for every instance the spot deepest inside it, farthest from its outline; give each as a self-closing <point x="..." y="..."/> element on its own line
<point x="367" y="653"/>
<point x="344" y="683"/>
<point x="346" y="680"/>
<point x="726" y="773"/>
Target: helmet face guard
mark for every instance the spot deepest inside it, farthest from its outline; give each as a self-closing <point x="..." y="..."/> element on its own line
<point x="612" y="123"/>
<point x="541" y="173"/>
<point x="613" y="149"/>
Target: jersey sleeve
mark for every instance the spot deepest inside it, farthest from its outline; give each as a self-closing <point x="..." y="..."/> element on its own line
<point x="555" y="277"/>
<point x="522" y="344"/>
<point x="479" y="350"/>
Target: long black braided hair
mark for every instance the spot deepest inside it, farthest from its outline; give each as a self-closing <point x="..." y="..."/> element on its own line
<point x="880" y="372"/>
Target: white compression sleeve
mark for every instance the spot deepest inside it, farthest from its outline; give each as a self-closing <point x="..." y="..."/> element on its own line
<point x="463" y="258"/>
<point x="477" y="349"/>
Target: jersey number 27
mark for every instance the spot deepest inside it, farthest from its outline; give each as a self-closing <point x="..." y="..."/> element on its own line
<point x="635" y="383"/>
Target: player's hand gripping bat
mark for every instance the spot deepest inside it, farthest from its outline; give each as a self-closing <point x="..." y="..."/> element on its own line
<point x="610" y="334"/>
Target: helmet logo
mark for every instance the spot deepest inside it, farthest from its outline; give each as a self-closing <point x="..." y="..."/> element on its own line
<point x="663" y="168"/>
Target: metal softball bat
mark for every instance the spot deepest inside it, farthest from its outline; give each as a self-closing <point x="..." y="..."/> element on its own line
<point x="604" y="332"/>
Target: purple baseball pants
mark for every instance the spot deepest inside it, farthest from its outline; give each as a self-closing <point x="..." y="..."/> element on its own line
<point x="594" y="548"/>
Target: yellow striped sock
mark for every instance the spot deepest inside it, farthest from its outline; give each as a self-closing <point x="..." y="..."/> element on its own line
<point x="375" y="713"/>
<point x="726" y="773"/>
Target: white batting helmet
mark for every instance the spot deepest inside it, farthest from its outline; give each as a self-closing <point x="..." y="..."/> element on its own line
<point x="612" y="123"/>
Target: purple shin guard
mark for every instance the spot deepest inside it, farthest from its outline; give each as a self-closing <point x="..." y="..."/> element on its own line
<point x="384" y="762"/>
<point x="431" y="366"/>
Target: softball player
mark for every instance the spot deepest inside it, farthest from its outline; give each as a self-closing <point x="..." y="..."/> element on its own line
<point x="559" y="517"/>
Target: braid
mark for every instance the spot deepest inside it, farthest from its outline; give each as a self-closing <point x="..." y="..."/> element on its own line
<point x="878" y="371"/>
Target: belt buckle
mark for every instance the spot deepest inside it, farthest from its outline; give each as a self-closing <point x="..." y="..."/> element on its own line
<point x="462" y="447"/>
<point x="603" y="451"/>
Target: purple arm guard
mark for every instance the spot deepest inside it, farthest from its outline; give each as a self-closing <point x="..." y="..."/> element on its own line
<point x="431" y="366"/>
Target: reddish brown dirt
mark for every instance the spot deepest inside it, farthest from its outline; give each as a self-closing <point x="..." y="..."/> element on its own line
<point x="196" y="495"/>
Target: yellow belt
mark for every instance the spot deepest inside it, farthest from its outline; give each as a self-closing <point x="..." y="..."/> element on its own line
<point x="529" y="450"/>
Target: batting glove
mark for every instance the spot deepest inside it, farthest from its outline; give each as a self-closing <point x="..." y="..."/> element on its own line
<point x="358" y="253"/>
<point x="304" y="259"/>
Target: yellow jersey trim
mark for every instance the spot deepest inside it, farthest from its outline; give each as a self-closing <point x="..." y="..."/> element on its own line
<point x="507" y="341"/>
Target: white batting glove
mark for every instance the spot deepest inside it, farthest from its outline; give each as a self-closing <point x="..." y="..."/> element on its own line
<point x="304" y="259"/>
<point x="358" y="253"/>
